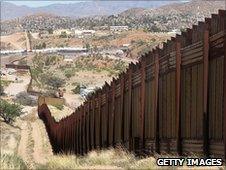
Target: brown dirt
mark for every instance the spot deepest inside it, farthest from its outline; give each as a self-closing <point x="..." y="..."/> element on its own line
<point x="38" y="152"/>
<point x="123" y="38"/>
<point x="15" y="88"/>
<point x="16" y="41"/>
<point x="22" y="148"/>
<point x="127" y="37"/>
<point x="87" y="78"/>
<point x="9" y="135"/>
<point x="34" y="147"/>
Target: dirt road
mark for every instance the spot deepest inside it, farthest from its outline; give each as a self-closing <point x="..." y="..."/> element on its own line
<point x="23" y="145"/>
<point x="34" y="147"/>
<point x="14" y="88"/>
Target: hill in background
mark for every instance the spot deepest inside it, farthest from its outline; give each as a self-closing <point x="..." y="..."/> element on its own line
<point x="178" y="15"/>
<point x="77" y="9"/>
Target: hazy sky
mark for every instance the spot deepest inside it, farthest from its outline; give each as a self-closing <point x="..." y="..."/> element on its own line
<point x="36" y="3"/>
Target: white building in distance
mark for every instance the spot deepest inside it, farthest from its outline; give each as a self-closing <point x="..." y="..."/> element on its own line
<point x="119" y="28"/>
<point x="60" y="31"/>
<point x="83" y="33"/>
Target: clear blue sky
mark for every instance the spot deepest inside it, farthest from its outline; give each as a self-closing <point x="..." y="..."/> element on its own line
<point x="35" y="3"/>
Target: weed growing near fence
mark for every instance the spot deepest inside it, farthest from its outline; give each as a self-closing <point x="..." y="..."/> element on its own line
<point x="103" y="159"/>
<point x="9" y="111"/>
<point x="12" y="161"/>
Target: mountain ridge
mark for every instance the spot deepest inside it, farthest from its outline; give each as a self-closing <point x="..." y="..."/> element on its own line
<point x="162" y="19"/>
<point x="75" y="10"/>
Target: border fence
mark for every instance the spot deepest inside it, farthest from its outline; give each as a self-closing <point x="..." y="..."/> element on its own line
<point x="172" y="101"/>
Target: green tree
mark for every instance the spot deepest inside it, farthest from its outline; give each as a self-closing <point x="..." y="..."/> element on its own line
<point x="63" y="34"/>
<point x="87" y="46"/>
<point x="1" y="89"/>
<point x="154" y="28"/>
<point x="43" y="45"/>
<point x="50" y="31"/>
<point x="76" y="90"/>
<point x="25" y="99"/>
<point x="95" y="49"/>
<point x="54" y="81"/>
<point x="69" y="73"/>
<point x="9" y="111"/>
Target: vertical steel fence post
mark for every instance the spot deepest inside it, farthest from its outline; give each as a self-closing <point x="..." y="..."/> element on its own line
<point x="223" y="19"/>
<point x="178" y="75"/>
<point x="205" y="87"/>
<point x="142" y="100"/>
<point x="122" y="80"/>
<point x="113" y="112"/>
<point x="130" y="107"/>
<point x="156" y="79"/>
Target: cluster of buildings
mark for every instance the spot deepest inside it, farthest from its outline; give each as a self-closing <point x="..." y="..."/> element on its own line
<point x="74" y="32"/>
<point x="82" y="33"/>
<point x="119" y="28"/>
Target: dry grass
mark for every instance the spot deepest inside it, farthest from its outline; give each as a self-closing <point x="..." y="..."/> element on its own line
<point x="104" y="159"/>
<point x="61" y="162"/>
<point x="109" y="159"/>
<point x="12" y="161"/>
<point x="9" y="135"/>
<point x="59" y="114"/>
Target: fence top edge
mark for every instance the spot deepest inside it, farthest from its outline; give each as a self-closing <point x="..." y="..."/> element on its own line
<point x="156" y="52"/>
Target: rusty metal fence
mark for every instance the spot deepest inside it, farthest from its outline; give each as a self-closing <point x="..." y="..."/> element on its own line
<point x="172" y="101"/>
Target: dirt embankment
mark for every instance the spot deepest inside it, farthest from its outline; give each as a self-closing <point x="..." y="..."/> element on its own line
<point x="15" y="41"/>
<point x="34" y="147"/>
<point x="27" y="138"/>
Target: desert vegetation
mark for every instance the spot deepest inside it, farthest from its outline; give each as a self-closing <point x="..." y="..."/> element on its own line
<point x="12" y="161"/>
<point x="50" y="72"/>
<point x="9" y="111"/>
<point x="99" y="63"/>
<point x="25" y="99"/>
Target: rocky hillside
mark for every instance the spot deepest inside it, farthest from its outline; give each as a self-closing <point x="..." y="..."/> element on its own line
<point x="76" y="9"/>
<point x="165" y="18"/>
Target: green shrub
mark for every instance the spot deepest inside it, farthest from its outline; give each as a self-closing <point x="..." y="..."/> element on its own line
<point x="69" y="73"/>
<point x="59" y="106"/>
<point x="40" y="46"/>
<point x="50" y="93"/>
<point x="52" y="59"/>
<point x="52" y="80"/>
<point x="5" y="83"/>
<point x="75" y="84"/>
<point x="63" y="34"/>
<point x="76" y="90"/>
<point x="1" y="89"/>
<point x="25" y="99"/>
<point x="50" y="31"/>
<point x="9" y="111"/>
<point x="120" y="66"/>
